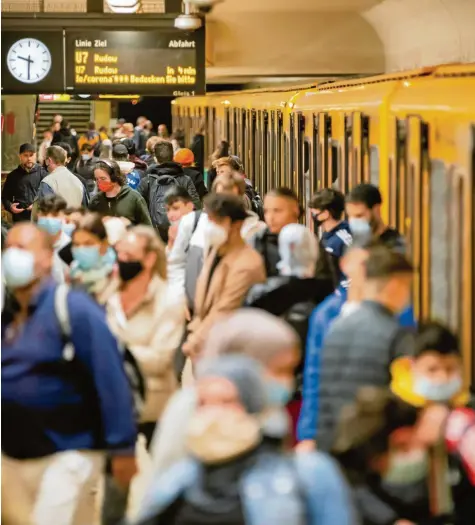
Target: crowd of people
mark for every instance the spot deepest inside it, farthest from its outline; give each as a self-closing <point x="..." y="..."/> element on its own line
<point x="276" y="371"/>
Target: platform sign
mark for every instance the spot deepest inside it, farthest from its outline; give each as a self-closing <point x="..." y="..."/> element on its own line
<point x="148" y="62"/>
<point x="32" y="62"/>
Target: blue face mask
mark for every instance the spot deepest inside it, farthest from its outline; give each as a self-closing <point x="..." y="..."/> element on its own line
<point x="360" y="230"/>
<point x="51" y="225"/>
<point x="437" y="391"/>
<point x="278" y="393"/>
<point x="85" y="157"/>
<point x="87" y="257"/>
<point x="69" y="228"/>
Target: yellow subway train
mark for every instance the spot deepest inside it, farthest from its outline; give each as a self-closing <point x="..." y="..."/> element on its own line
<point x="411" y="133"/>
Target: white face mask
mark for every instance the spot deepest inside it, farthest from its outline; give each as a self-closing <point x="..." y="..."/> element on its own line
<point x="218" y="435"/>
<point x="18" y="267"/>
<point x="215" y="234"/>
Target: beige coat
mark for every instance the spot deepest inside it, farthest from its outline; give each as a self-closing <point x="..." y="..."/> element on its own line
<point x="152" y="334"/>
<point x="239" y="269"/>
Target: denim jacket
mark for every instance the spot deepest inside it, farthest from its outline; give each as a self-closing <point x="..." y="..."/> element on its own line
<point x="303" y="489"/>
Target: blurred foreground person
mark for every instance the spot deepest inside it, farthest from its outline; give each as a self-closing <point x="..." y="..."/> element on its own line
<point x="232" y="476"/>
<point x="250" y="332"/>
<point x="51" y="216"/>
<point x="229" y="270"/>
<point x="384" y="445"/>
<point x="295" y="292"/>
<point x="339" y="305"/>
<point x="93" y="258"/>
<point x="435" y="373"/>
<point x="149" y="319"/>
<point x="60" y="411"/>
<point x="361" y="346"/>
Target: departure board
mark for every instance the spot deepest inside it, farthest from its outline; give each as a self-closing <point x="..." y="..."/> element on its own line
<point x="167" y="63"/>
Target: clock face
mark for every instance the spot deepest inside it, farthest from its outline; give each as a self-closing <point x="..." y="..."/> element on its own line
<point x="29" y="60"/>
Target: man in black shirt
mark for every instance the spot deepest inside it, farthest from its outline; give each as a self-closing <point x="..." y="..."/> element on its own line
<point x="363" y="206"/>
<point x="22" y="184"/>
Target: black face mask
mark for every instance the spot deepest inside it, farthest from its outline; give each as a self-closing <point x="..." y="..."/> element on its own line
<point x="129" y="270"/>
<point x="316" y="221"/>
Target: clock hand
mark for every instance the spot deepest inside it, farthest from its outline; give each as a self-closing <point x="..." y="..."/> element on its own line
<point x="29" y="66"/>
<point x="26" y="59"/>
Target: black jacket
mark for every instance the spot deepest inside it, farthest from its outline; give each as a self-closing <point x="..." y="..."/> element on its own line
<point x="198" y="149"/>
<point x="198" y="181"/>
<point x="85" y="171"/>
<point x="65" y="135"/>
<point x="172" y="169"/>
<point x="22" y="187"/>
<point x="267" y="244"/>
<point x="293" y="299"/>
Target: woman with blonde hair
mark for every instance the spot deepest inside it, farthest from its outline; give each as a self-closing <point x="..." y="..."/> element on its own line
<point x="149" y="319"/>
<point x="233" y="183"/>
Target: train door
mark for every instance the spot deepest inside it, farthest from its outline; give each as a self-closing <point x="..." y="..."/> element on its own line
<point x="417" y="202"/>
<point x="356" y="151"/>
<point x="324" y="162"/>
<point x="280" y="151"/>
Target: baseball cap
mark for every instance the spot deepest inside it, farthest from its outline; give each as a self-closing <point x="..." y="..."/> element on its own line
<point x="184" y="156"/>
<point x="27" y="147"/>
<point x="119" y="150"/>
<point x="130" y="145"/>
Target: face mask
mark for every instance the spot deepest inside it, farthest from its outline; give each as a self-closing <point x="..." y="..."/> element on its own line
<point x="85" y="157"/>
<point x="278" y="393"/>
<point x="129" y="270"/>
<point x="215" y="234"/>
<point x="275" y="423"/>
<point x="105" y="186"/>
<point x="87" y="257"/>
<point x="52" y="225"/>
<point x="218" y="435"/>
<point x="68" y="228"/>
<point x="407" y="468"/>
<point x="360" y="229"/>
<point x="437" y="391"/>
<point x="18" y="268"/>
<point x="316" y="221"/>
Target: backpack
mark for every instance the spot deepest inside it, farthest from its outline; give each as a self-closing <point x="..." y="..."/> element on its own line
<point x="255" y="198"/>
<point x="131" y="368"/>
<point x="133" y="179"/>
<point x="159" y="185"/>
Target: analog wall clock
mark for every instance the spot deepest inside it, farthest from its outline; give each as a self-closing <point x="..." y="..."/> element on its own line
<point x="29" y="60"/>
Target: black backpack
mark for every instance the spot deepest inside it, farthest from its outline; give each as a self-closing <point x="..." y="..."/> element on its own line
<point x="255" y="198"/>
<point x="131" y="367"/>
<point x="159" y="185"/>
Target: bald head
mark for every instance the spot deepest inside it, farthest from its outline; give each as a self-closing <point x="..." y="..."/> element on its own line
<point x="27" y="236"/>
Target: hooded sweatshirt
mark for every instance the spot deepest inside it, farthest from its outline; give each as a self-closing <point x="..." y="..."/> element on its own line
<point x="127" y="203"/>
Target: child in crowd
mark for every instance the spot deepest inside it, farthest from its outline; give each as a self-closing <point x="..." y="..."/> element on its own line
<point x="434" y="374"/>
<point x="178" y="203"/>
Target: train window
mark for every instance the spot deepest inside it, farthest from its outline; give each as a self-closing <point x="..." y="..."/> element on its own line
<point x="253" y="149"/>
<point x="279" y="154"/>
<point x="264" y="155"/>
<point x="439" y="241"/>
<point x="243" y="141"/>
<point x="292" y="171"/>
<point x="400" y="176"/>
<point x="374" y="165"/>
<point x="365" y="149"/>
<point x="300" y="154"/>
<point x="227" y="117"/>
<point x="346" y="186"/>
<point x="286" y="161"/>
<point x="234" y="143"/>
<point x="335" y="165"/>
<point x="456" y="250"/>
<point x="316" y="184"/>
